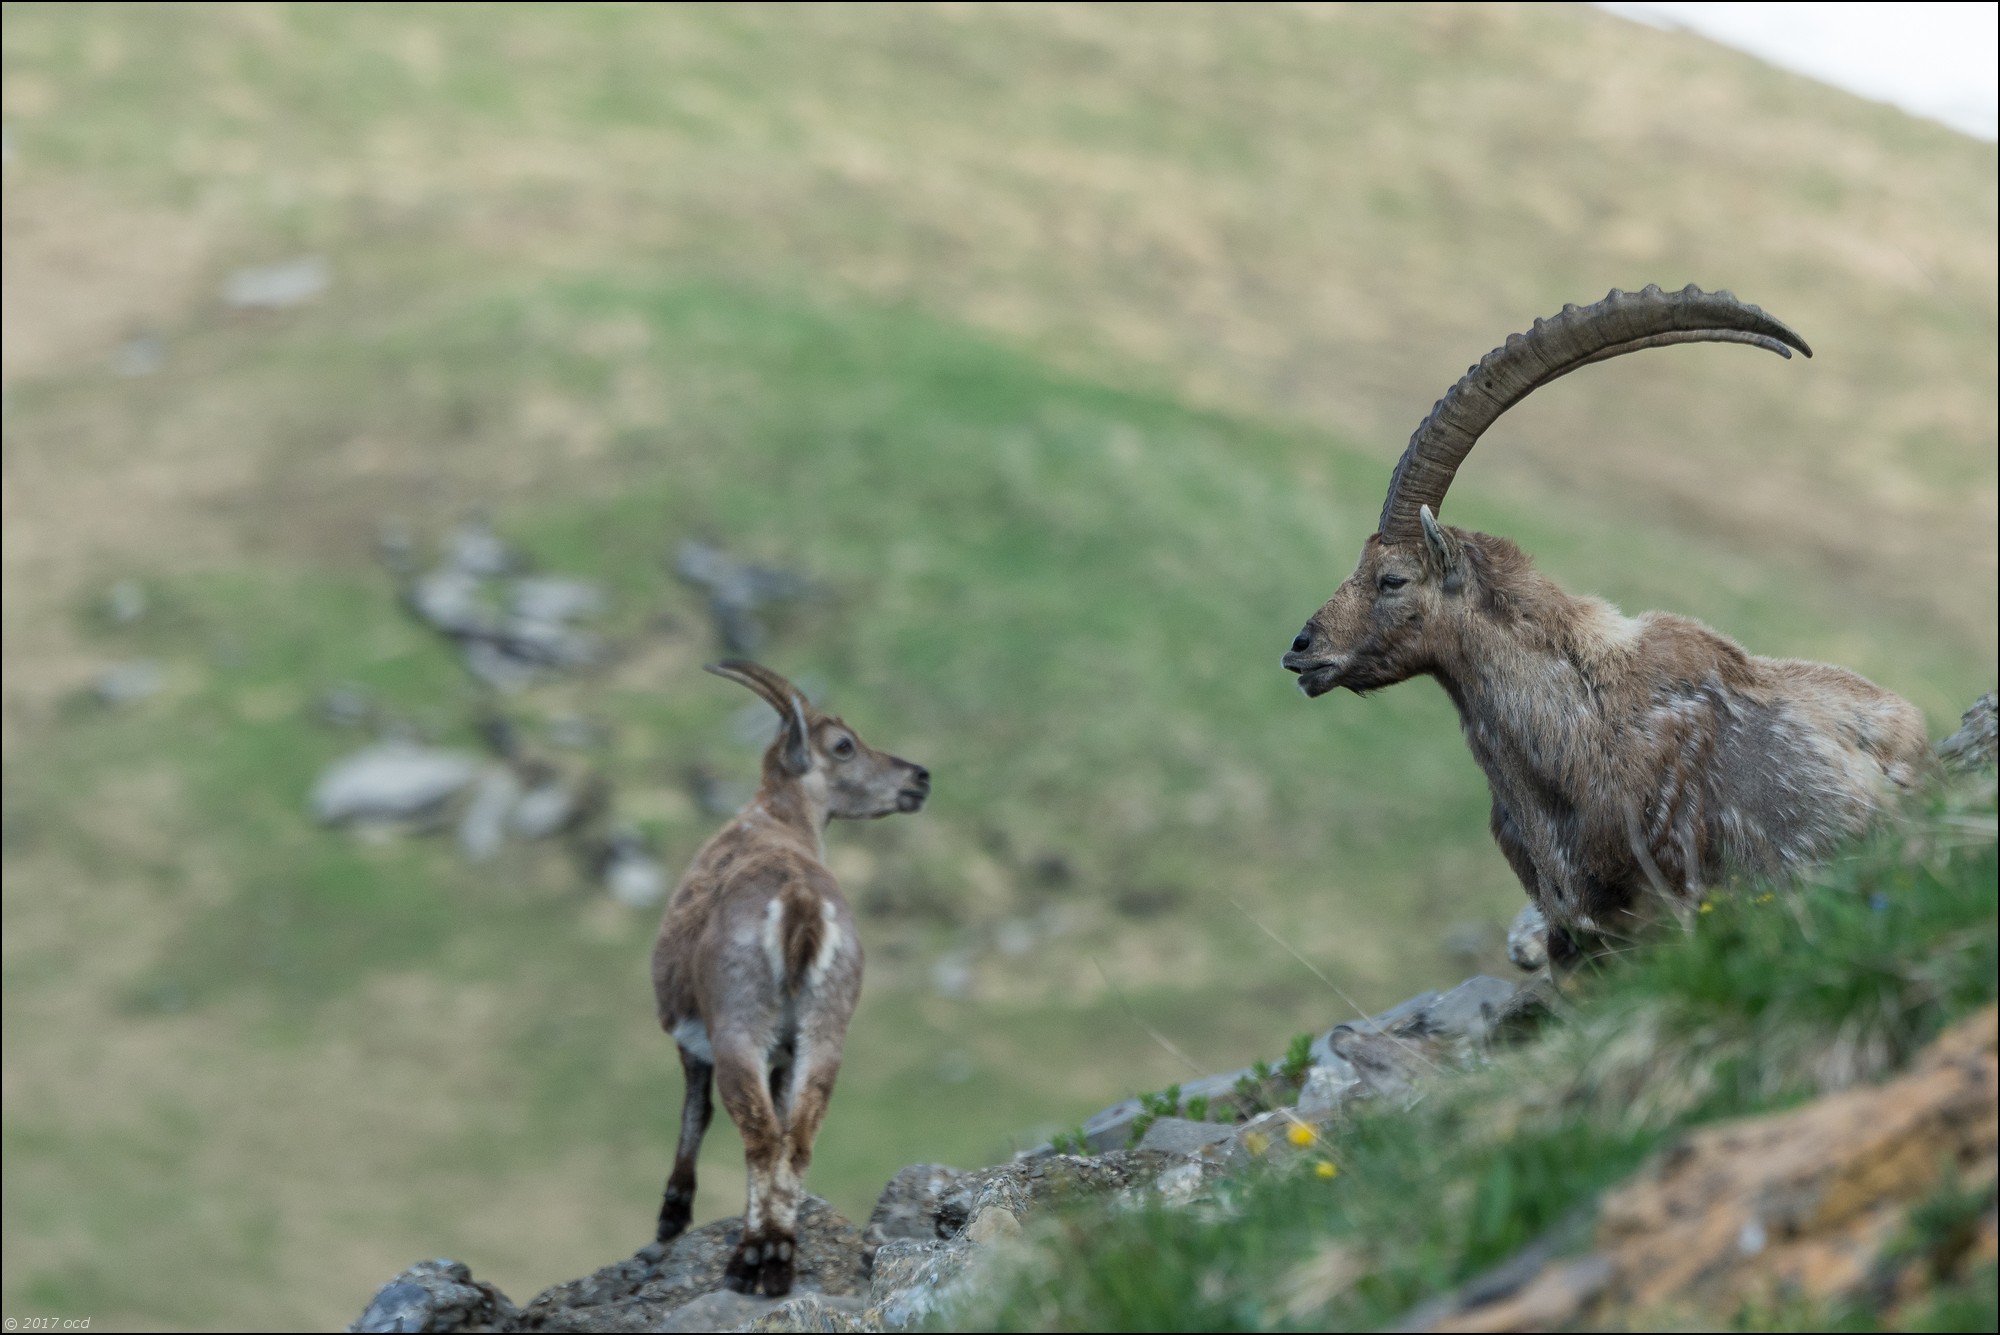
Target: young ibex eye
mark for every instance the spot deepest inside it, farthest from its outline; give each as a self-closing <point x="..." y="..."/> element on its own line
<point x="844" y="749"/>
<point x="1390" y="583"/>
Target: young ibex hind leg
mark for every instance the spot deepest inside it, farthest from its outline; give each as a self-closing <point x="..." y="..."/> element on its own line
<point x="677" y="1208"/>
<point x="763" y="1258"/>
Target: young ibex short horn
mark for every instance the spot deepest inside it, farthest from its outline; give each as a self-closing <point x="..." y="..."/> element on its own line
<point x="1621" y="752"/>
<point x="758" y="967"/>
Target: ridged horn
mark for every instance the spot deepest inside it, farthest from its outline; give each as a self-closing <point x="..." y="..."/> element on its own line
<point x="1623" y="322"/>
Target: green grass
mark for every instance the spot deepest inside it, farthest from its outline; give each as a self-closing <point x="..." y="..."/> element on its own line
<point x="1781" y="992"/>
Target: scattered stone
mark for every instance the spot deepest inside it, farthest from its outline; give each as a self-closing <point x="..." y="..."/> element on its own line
<point x="453" y="602"/>
<point x="438" y="1295"/>
<point x="914" y="1278"/>
<point x="124" y="683"/>
<point x="277" y="286"/>
<point x="1528" y="940"/>
<point x="951" y="976"/>
<point x="390" y="781"/>
<point x="551" y="805"/>
<point x="631" y="873"/>
<point x="346" y="706"/>
<point x="1111" y="1128"/>
<point x="1976" y="744"/>
<point x="715" y="795"/>
<point x="1326" y="1089"/>
<point x="489" y="661"/>
<point x="1014" y="938"/>
<point x="1179" y="1135"/>
<point x="483" y="827"/>
<point x="141" y="355"/>
<point x="574" y="732"/>
<point x="474" y="549"/>
<point x="125" y="602"/>
<point x="736" y="590"/>
<point x="907" y="1209"/>
<point x="554" y="598"/>
<point x="1179" y="1185"/>
<point x="1147" y="902"/>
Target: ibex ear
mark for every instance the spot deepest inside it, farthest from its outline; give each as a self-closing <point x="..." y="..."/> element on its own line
<point x="798" y="739"/>
<point x="1441" y="551"/>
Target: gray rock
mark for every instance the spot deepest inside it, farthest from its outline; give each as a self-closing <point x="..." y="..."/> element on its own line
<point x="390" y="781"/>
<point x="1112" y="1127"/>
<point x="124" y="683"/>
<point x="635" y="879"/>
<point x="346" y="707"/>
<point x="545" y="809"/>
<point x="1179" y="1185"/>
<point x="914" y="1278"/>
<point x="474" y="549"/>
<point x="644" y="1291"/>
<point x="1528" y="939"/>
<point x="1326" y="1090"/>
<point x="1469" y="1011"/>
<point x="483" y="827"/>
<point x="554" y="598"/>
<point x="1030" y="1184"/>
<point x="1977" y="741"/>
<point x="488" y="660"/>
<point x="277" y="286"/>
<point x="907" y="1208"/>
<point x="438" y="1295"/>
<point x="736" y="590"/>
<point x="141" y="355"/>
<point x="951" y="976"/>
<point x="1179" y="1135"/>
<point x="453" y="601"/>
<point x="125" y="601"/>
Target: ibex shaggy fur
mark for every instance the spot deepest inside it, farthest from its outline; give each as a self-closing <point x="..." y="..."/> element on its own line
<point x="758" y="967"/>
<point x="1622" y="753"/>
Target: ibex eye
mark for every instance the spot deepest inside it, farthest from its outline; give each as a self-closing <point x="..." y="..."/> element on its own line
<point x="843" y="749"/>
<point x="1391" y="582"/>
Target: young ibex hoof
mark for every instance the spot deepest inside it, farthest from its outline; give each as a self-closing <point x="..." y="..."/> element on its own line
<point x="761" y="1264"/>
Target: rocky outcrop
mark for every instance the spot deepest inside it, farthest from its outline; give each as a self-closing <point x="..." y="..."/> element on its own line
<point x="1807" y="1204"/>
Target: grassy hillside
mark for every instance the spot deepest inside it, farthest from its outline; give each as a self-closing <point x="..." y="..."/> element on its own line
<point x="1068" y="348"/>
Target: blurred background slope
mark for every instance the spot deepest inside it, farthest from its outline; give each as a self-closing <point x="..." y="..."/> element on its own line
<point x="1067" y="346"/>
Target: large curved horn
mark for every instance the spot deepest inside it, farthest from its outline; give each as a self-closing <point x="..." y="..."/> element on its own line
<point x="1623" y="322"/>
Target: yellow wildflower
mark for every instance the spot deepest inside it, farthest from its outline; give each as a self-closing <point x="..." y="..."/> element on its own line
<point x="1301" y="1135"/>
<point x="1326" y="1170"/>
<point x="1257" y="1142"/>
<point x="1708" y="908"/>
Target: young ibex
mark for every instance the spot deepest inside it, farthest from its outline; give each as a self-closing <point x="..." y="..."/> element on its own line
<point x="758" y="967"/>
<point x="1622" y="753"/>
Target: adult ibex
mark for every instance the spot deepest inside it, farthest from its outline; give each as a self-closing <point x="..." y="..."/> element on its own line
<point x="758" y="967"/>
<point x="1622" y="753"/>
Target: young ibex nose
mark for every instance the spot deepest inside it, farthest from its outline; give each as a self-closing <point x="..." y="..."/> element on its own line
<point x="1303" y="642"/>
<point x="923" y="775"/>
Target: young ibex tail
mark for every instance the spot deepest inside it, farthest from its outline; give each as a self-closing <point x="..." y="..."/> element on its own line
<point x="758" y="967"/>
<point x="1622" y="753"/>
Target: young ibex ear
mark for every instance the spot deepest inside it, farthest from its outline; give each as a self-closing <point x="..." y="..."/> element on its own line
<point x="1441" y="551"/>
<point x="782" y="696"/>
<point x="798" y="738"/>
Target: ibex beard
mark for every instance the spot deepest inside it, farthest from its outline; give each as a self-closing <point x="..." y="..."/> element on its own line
<point x="757" y="969"/>
<point x="1623" y="755"/>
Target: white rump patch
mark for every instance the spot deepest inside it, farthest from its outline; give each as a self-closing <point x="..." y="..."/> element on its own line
<point x="774" y="944"/>
<point x="829" y="945"/>
<point x="692" y="1034"/>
